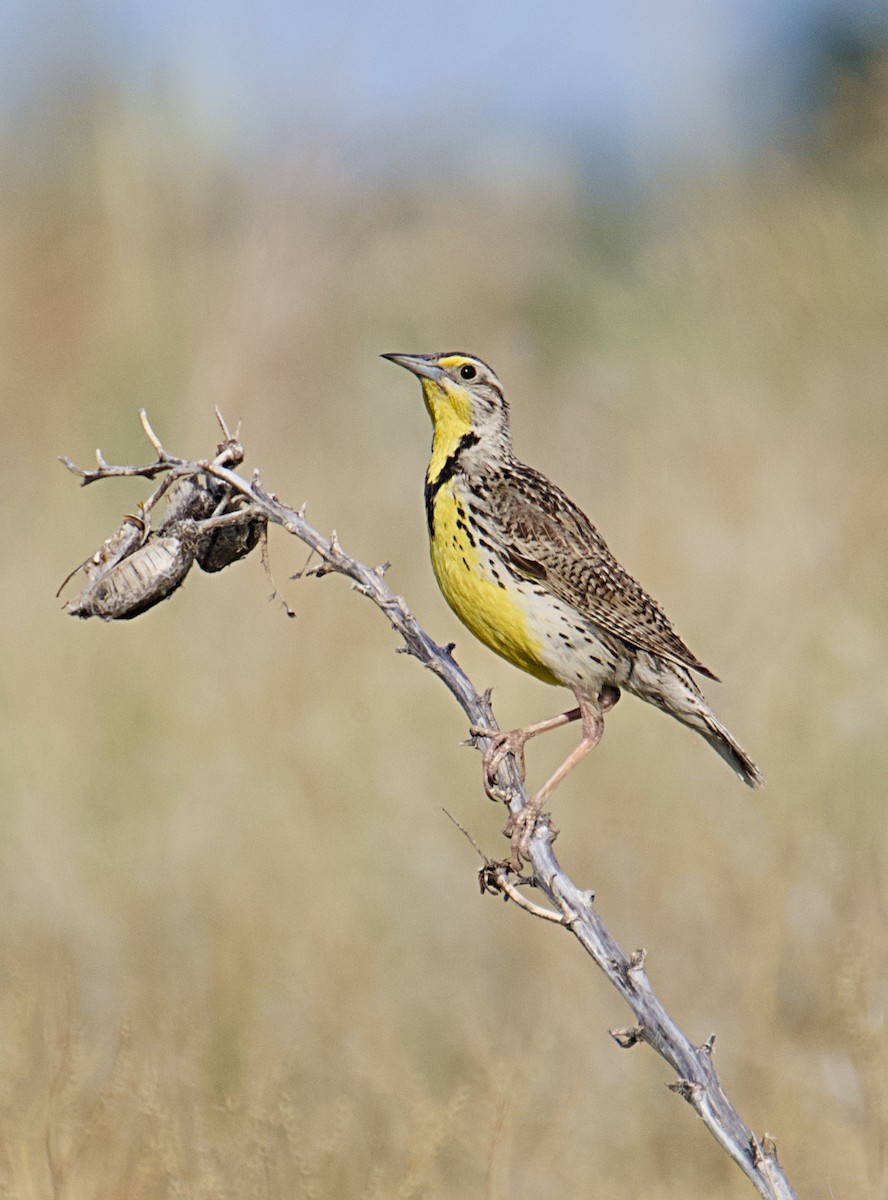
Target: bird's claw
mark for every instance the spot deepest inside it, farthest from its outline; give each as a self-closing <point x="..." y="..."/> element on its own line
<point x="520" y="828"/>
<point x="501" y="745"/>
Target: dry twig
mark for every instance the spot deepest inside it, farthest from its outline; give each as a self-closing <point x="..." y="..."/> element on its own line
<point x="571" y="907"/>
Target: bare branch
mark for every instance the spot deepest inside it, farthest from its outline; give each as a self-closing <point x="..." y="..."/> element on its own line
<point x="499" y="877"/>
<point x="572" y="907"/>
<point x="103" y="471"/>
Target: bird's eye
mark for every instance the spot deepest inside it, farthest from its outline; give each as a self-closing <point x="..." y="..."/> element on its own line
<point x="468" y="371"/>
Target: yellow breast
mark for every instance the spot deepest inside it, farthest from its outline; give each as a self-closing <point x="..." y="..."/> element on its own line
<point x="489" y="604"/>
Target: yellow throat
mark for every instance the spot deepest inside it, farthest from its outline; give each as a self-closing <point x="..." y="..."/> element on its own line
<point x="481" y="599"/>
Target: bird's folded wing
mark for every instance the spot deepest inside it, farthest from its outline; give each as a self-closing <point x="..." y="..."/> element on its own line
<point x="562" y="549"/>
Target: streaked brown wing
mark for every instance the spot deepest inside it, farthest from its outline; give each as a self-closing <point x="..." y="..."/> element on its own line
<point x="553" y="541"/>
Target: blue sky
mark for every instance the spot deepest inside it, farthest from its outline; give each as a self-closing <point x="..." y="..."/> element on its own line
<point x="628" y="85"/>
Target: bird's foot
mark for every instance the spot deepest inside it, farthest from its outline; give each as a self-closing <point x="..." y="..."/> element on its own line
<point x="502" y="743"/>
<point x="520" y="828"/>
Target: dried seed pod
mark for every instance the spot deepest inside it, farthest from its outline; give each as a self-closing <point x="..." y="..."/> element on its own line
<point x="228" y="543"/>
<point x="138" y="582"/>
<point x="121" y="543"/>
<point x="190" y="500"/>
<point x="131" y="534"/>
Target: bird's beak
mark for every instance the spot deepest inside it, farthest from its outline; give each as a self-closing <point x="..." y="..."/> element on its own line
<point x="422" y="365"/>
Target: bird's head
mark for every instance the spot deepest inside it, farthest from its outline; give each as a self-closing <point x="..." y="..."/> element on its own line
<point x="462" y="395"/>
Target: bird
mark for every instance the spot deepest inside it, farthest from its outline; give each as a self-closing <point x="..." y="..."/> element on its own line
<point x="530" y="576"/>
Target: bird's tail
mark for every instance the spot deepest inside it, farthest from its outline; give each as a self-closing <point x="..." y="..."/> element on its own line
<point x="734" y="755"/>
<point x="679" y="695"/>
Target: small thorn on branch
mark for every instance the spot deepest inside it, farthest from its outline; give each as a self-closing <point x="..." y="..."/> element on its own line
<point x="636" y="962"/>
<point x="152" y="436"/>
<point x="687" y="1089"/>
<point x="328" y="554"/>
<point x="323" y="568"/>
<point x="223" y="425"/>
<point x="626" y="1038"/>
<point x="764" y="1151"/>
<point x="708" y="1045"/>
<point x="381" y="569"/>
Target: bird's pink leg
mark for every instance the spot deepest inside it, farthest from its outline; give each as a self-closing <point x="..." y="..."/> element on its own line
<point x="522" y="824"/>
<point x="512" y="741"/>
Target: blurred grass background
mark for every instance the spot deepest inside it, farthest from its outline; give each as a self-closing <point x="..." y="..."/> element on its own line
<point x="242" y="951"/>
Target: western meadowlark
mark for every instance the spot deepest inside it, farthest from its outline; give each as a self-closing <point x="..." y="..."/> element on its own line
<point x="532" y="577"/>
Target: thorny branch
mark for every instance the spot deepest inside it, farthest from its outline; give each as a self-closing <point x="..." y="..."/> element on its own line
<point x="571" y="907"/>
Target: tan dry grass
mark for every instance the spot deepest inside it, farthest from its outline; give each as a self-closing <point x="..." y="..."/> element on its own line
<point x="241" y="949"/>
